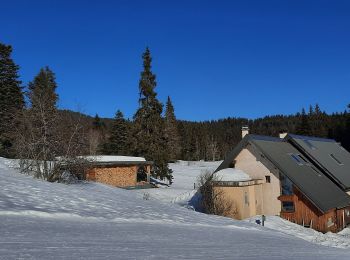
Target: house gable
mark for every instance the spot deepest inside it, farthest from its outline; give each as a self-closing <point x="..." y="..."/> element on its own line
<point x="248" y="161"/>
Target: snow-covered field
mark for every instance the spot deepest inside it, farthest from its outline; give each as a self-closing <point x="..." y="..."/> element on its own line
<point x="41" y="220"/>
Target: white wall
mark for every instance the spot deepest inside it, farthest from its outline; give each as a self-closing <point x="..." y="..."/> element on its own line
<point x="247" y="162"/>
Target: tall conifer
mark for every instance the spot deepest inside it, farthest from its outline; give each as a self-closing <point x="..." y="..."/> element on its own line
<point x="304" y="126"/>
<point x="149" y="133"/>
<point x="11" y="98"/>
<point x="171" y="131"/>
<point x="97" y="123"/>
<point x="117" y="141"/>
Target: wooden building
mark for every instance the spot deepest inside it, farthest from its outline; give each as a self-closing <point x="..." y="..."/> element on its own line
<point x="119" y="171"/>
<point x="294" y="186"/>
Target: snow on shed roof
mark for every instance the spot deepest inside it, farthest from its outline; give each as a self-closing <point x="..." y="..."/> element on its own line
<point x="113" y="158"/>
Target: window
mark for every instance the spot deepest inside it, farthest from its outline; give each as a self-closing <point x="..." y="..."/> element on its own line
<point x="330" y="222"/>
<point x="268" y="179"/>
<point x="287" y="206"/>
<point x="303" y="159"/>
<point x="335" y="159"/>
<point x="286" y="185"/>
<point x="296" y="158"/>
<point x="246" y="199"/>
<point x="299" y="159"/>
<point x="232" y="164"/>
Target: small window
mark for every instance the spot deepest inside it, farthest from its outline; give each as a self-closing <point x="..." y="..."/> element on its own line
<point x="287" y="206"/>
<point x="330" y="222"/>
<point x="246" y="199"/>
<point x="232" y="164"/>
<point x="302" y="158"/>
<point x="335" y="159"/>
<point x="268" y="179"/>
<point x="347" y="212"/>
<point x="286" y="185"/>
<point x="296" y="159"/>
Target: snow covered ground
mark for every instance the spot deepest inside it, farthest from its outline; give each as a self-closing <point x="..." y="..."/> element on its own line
<point x="185" y="178"/>
<point x="41" y="220"/>
<point x="182" y="192"/>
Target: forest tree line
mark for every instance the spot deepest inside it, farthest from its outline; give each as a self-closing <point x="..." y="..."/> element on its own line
<point x="211" y="140"/>
<point x="33" y="127"/>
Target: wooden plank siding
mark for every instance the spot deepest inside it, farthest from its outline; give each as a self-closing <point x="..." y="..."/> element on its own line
<point x="117" y="175"/>
<point x="306" y="214"/>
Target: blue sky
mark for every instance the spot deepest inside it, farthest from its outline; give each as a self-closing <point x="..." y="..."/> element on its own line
<point x="214" y="58"/>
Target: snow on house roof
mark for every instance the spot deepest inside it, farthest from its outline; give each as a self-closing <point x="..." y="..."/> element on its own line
<point x="231" y="174"/>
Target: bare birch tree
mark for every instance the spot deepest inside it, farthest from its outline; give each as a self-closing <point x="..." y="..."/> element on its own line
<point x="214" y="200"/>
<point x="48" y="142"/>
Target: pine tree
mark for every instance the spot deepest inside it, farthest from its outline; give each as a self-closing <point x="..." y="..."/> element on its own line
<point x="97" y="123"/>
<point x="117" y="141"/>
<point x="346" y="135"/>
<point x="311" y="110"/>
<point x="317" y="109"/>
<point x="304" y="127"/>
<point x="319" y="123"/>
<point x="171" y="131"/>
<point x="42" y="91"/>
<point x="11" y="99"/>
<point x="149" y="130"/>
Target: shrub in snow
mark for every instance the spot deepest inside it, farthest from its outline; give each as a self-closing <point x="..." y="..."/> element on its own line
<point x="213" y="199"/>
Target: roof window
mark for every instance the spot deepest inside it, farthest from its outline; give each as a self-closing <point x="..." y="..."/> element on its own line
<point x="296" y="158"/>
<point x="303" y="159"/>
<point x="335" y="159"/>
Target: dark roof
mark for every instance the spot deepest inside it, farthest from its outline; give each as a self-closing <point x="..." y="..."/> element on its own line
<point x="313" y="183"/>
<point x="328" y="155"/>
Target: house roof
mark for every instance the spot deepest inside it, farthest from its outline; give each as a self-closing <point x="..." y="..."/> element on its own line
<point x="327" y="154"/>
<point x="312" y="182"/>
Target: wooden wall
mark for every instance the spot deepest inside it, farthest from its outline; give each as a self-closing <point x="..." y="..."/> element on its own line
<point x="307" y="214"/>
<point x="119" y="176"/>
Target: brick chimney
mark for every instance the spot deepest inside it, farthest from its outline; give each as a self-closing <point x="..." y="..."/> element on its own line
<point x="245" y="131"/>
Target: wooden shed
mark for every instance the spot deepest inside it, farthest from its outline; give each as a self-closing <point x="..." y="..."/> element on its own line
<point x="120" y="171"/>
